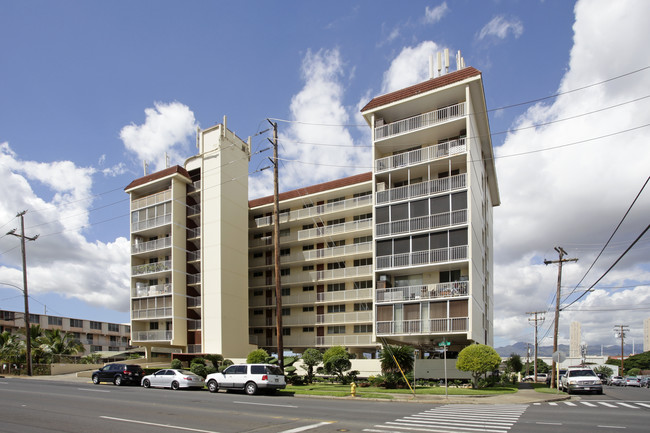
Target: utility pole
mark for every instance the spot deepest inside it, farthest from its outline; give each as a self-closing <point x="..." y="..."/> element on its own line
<point x="276" y="246"/>
<point x="561" y="260"/>
<point x="527" y="357"/>
<point x="537" y="321"/>
<point x="28" y="335"/>
<point x="621" y="330"/>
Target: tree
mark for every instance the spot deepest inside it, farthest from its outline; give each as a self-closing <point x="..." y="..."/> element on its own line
<point x="542" y="367"/>
<point x="336" y="361"/>
<point x="394" y="357"/>
<point x="11" y="347"/>
<point x="55" y="344"/>
<point x="478" y="359"/>
<point x="259" y="356"/>
<point x="514" y="364"/>
<point x="603" y="369"/>
<point x="310" y="359"/>
<point x="634" y="371"/>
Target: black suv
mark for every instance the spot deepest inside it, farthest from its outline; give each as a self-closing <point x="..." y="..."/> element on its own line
<point x="119" y="374"/>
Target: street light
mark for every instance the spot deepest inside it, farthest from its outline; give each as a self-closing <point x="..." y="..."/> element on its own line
<point x="28" y="334"/>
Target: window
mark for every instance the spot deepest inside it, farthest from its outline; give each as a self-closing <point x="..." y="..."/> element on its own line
<point x="7" y="315"/>
<point x="307" y="288"/>
<point x="308" y="247"/>
<point x="285" y="291"/>
<point x="258" y="292"/>
<point x="95" y="325"/>
<point x="307" y="309"/>
<point x="286" y="331"/>
<point x="365" y="216"/>
<point x="53" y="320"/>
<point x="113" y="327"/>
<point x="336" y="329"/>
<point x="363" y="306"/>
<point x="76" y="323"/>
<point x="89" y="338"/>
<point x="363" y="284"/>
<point x="308" y="226"/>
<point x="308" y="329"/>
<point x="286" y="311"/>
<point x="336" y="265"/>
<point x="363" y="262"/>
<point x="362" y="194"/>
<point x="338" y="287"/>
<point x="336" y="221"/>
<point x="258" y="312"/>
<point x="258" y="331"/>
<point x="336" y="308"/>
<point x="285" y="232"/>
<point x="153" y="326"/>
<point x="113" y="339"/>
<point x="95" y="348"/>
<point x="285" y="271"/>
<point x="258" y="235"/>
<point x="285" y="252"/>
<point x="362" y="329"/>
<point x="308" y="205"/>
<point x="334" y="200"/>
<point x="332" y="244"/>
<point x="363" y="239"/>
<point x="308" y="268"/>
<point x="258" y="255"/>
<point x="34" y="319"/>
<point x="258" y="274"/>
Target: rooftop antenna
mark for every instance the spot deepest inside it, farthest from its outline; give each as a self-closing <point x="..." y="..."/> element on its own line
<point x="439" y="63"/>
<point x="446" y="60"/>
<point x="166" y="160"/>
<point x="145" y="166"/>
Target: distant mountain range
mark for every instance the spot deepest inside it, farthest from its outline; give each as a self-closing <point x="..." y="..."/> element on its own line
<point x="547" y="351"/>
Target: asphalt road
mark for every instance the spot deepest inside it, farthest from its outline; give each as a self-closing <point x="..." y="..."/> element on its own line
<point x="47" y="406"/>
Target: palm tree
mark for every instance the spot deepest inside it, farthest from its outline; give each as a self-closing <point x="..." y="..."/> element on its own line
<point x="36" y="333"/>
<point x="392" y="356"/>
<point x="11" y="347"/>
<point x="55" y="344"/>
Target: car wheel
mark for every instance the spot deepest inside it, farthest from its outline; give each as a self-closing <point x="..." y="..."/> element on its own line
<point x="600" y="392"/>
<point x="96" y="380"/>
<point x="146" y="383"/>
<point x="568" y="391"/>
<point x="118" y="380"/>
<point x="213" y="386"/>
<point x="251" y="388"/>
<point x="175" y="385"/>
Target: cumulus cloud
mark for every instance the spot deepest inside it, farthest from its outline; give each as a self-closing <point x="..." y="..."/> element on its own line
<point x="58" y="198"/>
<point x="411" y="66"/>
<point x="168" y="127"/>
<point x="499" y="27"/>
<point x="433" y="15"/>
<point x="317" y="147"/>
<point x="575" y="195"/>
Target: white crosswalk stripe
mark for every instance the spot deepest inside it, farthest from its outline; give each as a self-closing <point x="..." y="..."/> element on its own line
<point x="596" y="404"/>
<point x="457" y="418"/>
<point x="586" y="403"/>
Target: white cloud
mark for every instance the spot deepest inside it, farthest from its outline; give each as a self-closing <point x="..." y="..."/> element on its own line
<point x="575" y="196"/>
<point x="500" y="27"/>
<point x="168" y="127"/>
<point x="411" y="66"/>
<point x="317" y="147"/>
<point x="58" y="198"/>
<point x="433" y="15"/>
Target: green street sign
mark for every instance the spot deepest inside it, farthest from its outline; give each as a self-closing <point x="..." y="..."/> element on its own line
<point x="444" y="343"/>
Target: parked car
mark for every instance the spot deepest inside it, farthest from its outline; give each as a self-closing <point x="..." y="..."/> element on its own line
<point x="603" y="378"/>
<point x="173" y="378"/>
<point x="632" y="381"/>
<point x="581" y="379"/>
<point x="548" y="378"/>
<point x="644" y="382"/>
<point x="615" y="381"/>
<point x="119" y="374"/>
<point x="541" y="377"/>
<point x="247" y="377"/>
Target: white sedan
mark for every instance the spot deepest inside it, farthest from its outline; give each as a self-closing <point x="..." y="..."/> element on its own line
<point x="174" y="379"/>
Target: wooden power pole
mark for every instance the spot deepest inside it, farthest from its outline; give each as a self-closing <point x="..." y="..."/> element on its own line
<point x="621" y="330"/>
<point x="539" y="318"/>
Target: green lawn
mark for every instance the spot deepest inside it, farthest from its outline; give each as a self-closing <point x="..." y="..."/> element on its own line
<point x="337" y="390"/>
<point x="541" y="387"/>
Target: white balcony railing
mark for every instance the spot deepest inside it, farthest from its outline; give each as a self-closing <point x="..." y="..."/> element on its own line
<point x="428" y="222"/>
<point x="319" y="232"/>
<point x="152" y="336"/>
<point x="195" y="186"/>
<point x="420" y="292"/>
<point x="344" y="295"/>
<point x="195" y="209"/>
<point x="345" y="340"/>
<point x="151" y="200"/>
<point x="194" y="233"/>
<point x="151" y="268"/>
<point x="420" y="121"/>
<point x="427" y="257"/>
<point x="193" y="325"/>
<point x="348" y="318"/>
<point x="151" y="223"/>
<point x="194" y="279"/>
<point x="318" y="254"/>
<point x="158" y="244"/>
<point x="431" y="326"/>
<point x="313" y="211"/>
<point x="151" y="313"/>
<point x="421" y="189"/>
<point x="421" y="156"/>
<point x="156" y="290"/>
<point x="193" y="255"/>
<point x="194" y="348"/>
<point x="193" y="301"/>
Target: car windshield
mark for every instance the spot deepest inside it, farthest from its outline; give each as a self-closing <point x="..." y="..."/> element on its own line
<point x="186" y="372"/>
<point x="582" y="373"/>
<point x="274" y="369"/>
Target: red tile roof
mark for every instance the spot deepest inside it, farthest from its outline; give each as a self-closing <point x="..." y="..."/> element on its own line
<point x="338" y="183"/>
<point x="158" y="175"/>
<point x="426" y="86"/>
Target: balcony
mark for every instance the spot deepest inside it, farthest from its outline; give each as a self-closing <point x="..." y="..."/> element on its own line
<point x="151" y="313"/>
<point x="142" y="290"/>
<point x="195" y="209"/>
<point x="315" y="211"/>
<point x="420" y="121"/>
<point x="194" y="302"/>
<point x="194" y="256"/>
<point x="418" y="258"/>
<point x="151" y="200"/>
<point x="194" y="187"/>
<point x="345" y="340"/>
<point x="363" y="248"/>
<point x="194" y="279"/>
<point x="319" y="232"/>
<point x="152" y="336"/>
<point x="421" y="156"/>
<point x="344" y="295"/>
<point x="158" y="244"/>
<point x="151" y="268"/>
<point x="348" y="318"/>
<point x="194" y="348"/>
<point x="193" y="325"/>
<point x="151" y="223"/>
<point x="422" y="189"/>
<point x="423" y="292"/>
<point x="194" y="233"/>
<point x="419" y="327"/>
<point x="428" y="222"/>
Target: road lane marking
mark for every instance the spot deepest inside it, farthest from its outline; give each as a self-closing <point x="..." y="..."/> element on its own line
<point x="132" y="421"/>
<point x="265" y="404"/>
<point x="606" y="404"/>
<point x="627" y="405"/>
<point x="548" y="423"/>
<point x="568" y="403"/>
<point x="610" y="426"/>
<point x="586" y="403"/>
<point x="552" y="404"/>
<point x="455" y="427"/>
<point x="644" y="404"/>
<point x="93" y="390"/>
<point x="307" y="427"/>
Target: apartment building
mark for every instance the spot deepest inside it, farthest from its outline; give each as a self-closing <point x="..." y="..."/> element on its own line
<point x="434" y="187"/>
<point x="95" y="336"/>
<point x="326" y="267"/>
<point x="189" y="257"/>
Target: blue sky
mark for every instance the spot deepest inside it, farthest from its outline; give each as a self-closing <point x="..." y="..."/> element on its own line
<point x="90" y="89"/>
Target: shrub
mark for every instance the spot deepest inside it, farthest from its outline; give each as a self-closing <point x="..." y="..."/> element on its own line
<point x="176" y="363"/>
<point x="258" y="356"/>
<point x="199" y="370"/>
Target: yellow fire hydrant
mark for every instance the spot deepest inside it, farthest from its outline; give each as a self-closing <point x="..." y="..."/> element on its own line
<point x="353" y="389"/>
